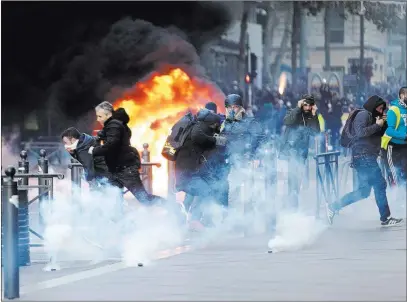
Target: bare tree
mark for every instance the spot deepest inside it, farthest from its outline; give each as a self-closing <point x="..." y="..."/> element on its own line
<point x="284" y="43"/>
<point x="327" y="37"/>
<point x="272" y="22"/>
<point x="242" y="43"/>
<point x="295" y="35"/>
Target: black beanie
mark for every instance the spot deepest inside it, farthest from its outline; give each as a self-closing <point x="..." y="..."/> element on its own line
<point x="212" y="106"/>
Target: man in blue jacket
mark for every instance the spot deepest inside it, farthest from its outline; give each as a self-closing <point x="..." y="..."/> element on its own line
<point x="396" y="149"/>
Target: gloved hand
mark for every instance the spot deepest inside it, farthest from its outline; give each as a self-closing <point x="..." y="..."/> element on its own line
<point x="220" y="140"/>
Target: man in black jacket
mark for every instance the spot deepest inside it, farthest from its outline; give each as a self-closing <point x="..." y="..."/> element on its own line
<point x="78" y="144"/>
<point x="367" y="129"/>
<point x="301" y="124"/>
<point x="122" y="159"/>
<point x="194" y="170"/>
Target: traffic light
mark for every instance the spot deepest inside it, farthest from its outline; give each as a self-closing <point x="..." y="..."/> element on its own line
<point x="248" y="78"/>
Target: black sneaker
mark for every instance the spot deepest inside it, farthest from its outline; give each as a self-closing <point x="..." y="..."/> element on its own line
<point x="330" y="213"/>
<point x="392" y="221"/>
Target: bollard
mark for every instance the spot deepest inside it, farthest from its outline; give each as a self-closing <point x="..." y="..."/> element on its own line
<point x="76" y="175"/>
<point x="42" y="191"/>
<point x="23" y="212"/>
<point x="171" y="181"/>
<point x="147" y="170"/>
<point x="9" y="199"/>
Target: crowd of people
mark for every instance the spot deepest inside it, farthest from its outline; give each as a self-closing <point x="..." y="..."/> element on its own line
<point x="211" y="148"/>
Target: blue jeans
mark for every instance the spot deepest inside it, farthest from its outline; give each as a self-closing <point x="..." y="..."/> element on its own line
<point x="369" y="176"/>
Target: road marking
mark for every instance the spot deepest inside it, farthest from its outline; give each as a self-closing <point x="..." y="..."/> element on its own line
<point x="95" y="272"/>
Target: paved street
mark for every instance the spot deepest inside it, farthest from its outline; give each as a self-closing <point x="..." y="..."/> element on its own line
<point x="353" y="260"/>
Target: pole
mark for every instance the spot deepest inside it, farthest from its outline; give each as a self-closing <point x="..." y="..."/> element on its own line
<point x="10" y="205"/>
<point x="42" y="192"/>
<point x="171" y="181"/>
<point x="148" y="170"/>
<point x="76" y="170"/>
<point x="362" y="55"/>
<point x="249" y="68"/>
<point x="303" y="43"/>
<point x="23" y="212"/>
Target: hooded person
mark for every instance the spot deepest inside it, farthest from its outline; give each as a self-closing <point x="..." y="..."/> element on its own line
<point x="78" y="144"/>
<point x="190" y="165"/>
<point x="367" y="128"/>
<point x="394" y="141"/>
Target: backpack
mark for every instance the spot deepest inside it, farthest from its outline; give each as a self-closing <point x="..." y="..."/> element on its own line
<point x="346" y="135"/>
<point x="177" y="137"/>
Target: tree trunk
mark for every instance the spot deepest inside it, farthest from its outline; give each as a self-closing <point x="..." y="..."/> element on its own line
<point x="327" y="38"/>
<point x="294" y="41"/>
<point x="272" y="22"/>
<point x="283" y="46"/>
<point x="242" y="45"/>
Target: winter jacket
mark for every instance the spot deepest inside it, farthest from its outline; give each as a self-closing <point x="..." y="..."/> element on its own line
<point x="399" y="135"/>
<point x="191" y="155"/>
<point x="367" y="134"/>
<point x="243" y="137"/>
<point x="300" y="128"/>
<point x="116" y="149"/>
<point x="93" y="166"/>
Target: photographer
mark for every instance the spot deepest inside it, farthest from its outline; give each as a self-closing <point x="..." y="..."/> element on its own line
<point x="301" y="124"/>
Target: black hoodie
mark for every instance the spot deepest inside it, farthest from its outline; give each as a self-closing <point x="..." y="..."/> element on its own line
<point x="368" y="134"/>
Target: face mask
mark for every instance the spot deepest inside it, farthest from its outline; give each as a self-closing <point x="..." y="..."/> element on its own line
<point x="230" y="114"/>
<point x="72" y="146"/>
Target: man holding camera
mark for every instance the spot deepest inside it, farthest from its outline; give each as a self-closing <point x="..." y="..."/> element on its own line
<point x="301" y="124"/>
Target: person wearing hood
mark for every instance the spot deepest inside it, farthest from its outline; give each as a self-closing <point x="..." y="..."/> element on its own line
<point x="78" y="144"/>
<point x="394" y="141"/>
<point x="367" y="128"/>
<point x="190" y="165"/>
<point x="122" y="159"/>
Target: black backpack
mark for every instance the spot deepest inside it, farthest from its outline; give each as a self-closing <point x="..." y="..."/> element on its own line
<point x="347" y="137"/>
<point x="177" y="137"/>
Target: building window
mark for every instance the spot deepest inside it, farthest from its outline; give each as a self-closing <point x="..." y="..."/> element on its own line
<point x="337" y="25"/>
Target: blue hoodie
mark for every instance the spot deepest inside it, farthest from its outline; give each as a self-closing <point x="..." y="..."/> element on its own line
<point x="399" y="135"/>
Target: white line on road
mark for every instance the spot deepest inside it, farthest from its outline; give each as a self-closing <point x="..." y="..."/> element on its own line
<point x="95" y="272"/>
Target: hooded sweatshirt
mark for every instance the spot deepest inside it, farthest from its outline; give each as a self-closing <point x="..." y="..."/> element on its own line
<point x="399" y="136"/>
<point x="367" y="133"/>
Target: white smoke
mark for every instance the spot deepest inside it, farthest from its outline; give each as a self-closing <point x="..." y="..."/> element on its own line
<point x="97" y="226"/>
<point x="295" y="231"/>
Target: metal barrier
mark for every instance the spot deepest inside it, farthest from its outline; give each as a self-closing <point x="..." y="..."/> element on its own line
<point x="45" y="194"/>
<point x="327" y="179"/>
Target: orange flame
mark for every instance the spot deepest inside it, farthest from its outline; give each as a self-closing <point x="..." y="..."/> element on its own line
<point x="155" y="104"/>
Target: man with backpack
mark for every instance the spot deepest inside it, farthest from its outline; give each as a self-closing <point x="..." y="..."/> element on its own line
<point x="394" y="141"/>
<point x="362" y="134"/>
<point x="195" y="171"/>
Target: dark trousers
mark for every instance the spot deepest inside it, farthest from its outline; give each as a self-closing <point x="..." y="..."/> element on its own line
<point x="129" y="177"/>
<point x="395" y="160"/>
<point x="369" y="176"/>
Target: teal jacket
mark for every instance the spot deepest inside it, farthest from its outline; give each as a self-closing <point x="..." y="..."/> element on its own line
<point x="398" y="136"/>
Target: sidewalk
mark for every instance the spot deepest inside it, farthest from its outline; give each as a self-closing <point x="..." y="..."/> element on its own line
<point x="353" y="260"/>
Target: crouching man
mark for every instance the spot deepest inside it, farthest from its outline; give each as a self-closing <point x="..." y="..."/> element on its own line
<point x="78" y="145"/>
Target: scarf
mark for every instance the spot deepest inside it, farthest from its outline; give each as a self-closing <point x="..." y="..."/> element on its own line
<point x="402" y="104"/>
<point x="232" y="116"/>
